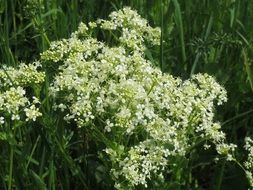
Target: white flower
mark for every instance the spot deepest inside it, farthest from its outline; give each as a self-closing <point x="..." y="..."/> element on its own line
<point x="1" y="120"/>
<point x="32" y="113"/>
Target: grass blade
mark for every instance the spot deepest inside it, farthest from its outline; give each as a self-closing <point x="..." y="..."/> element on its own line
<point x="179" y="24"/>
<point x="247" y="67"/>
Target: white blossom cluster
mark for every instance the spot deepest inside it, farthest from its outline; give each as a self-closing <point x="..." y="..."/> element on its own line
<point x="24" y="75"/>
<point x="117" y="90"/>
<point x="248" y="164"/>
<point x="135" y="29"/>
<point x="14" y="102"/>
<point x="142" y="162"/>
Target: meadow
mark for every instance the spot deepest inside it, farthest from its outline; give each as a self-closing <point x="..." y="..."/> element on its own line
<point x="133" y="94"/>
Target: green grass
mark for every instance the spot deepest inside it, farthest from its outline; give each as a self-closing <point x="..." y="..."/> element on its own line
<point x="210" y="36"/>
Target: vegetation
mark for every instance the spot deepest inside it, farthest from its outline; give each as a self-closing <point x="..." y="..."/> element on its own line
<point x="83" y="104"/>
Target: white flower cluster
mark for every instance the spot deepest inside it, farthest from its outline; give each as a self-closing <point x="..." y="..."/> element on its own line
<point x="24" y="75"/>
<point x="248" y="164"/>
<point x="135" y="29"/>
<point x="14" y="102"/>
<point x="142" y="163"/>
<point x="119" y="92"/>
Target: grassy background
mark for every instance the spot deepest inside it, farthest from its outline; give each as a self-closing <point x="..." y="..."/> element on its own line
<point x="210" y="36"/>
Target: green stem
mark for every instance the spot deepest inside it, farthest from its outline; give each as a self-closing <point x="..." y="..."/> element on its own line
<point x="240" y="165"/>
<point x="161" y="40"/>
<point x="10" y="168"/>
<point x="218" y="186"/>
<point x="30" y="157"/>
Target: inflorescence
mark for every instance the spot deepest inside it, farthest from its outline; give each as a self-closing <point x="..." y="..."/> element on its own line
<point x="152" y="118"/>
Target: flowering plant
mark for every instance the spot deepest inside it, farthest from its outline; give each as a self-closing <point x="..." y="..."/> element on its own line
<point x="145" y="124"/>
<point x="148" y="121"/>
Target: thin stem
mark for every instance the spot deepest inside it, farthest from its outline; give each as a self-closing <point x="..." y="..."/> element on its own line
<point x="10" y="168"/>
<point x="240" y="165"/>
<point x="161" y="40"/>
<point x="220" y="177"/>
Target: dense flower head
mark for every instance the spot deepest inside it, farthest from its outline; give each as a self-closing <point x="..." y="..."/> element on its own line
<point x="23" y="75"/>
<point x="135" y="29"/>
<point x="117" y="90"/>
<point x="15" y="103"/>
